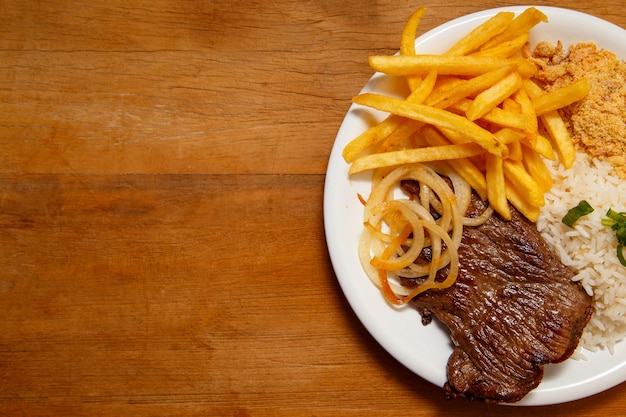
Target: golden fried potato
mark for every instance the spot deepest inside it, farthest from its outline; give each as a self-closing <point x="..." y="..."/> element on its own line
<point x="474" y="110"/>
<point x="411" y="156"/>
<point x="436" y="117"/>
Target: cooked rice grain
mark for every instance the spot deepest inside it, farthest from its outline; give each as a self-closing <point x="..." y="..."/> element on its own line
<point x="590" y="247"/>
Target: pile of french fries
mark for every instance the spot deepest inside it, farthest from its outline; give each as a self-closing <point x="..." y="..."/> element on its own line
<point x="476" y="109"/>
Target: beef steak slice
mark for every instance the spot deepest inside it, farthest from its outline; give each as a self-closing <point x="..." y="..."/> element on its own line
<point x="512" y="309"/>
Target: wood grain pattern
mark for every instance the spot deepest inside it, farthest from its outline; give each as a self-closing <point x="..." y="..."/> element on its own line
<point x="162" y="248"/>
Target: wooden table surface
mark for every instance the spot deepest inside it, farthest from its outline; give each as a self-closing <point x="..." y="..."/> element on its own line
<point x="162" y="249"/>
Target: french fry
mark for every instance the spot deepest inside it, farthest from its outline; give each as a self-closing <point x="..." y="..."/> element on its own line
<point x="527" y="109"/>
<point x="407" y="43"/>
<point x="515" y="151"/>
<point x="510" y="105"/>
<point x="561" y="97"/>
<point x="467" y="88"/>
<point x="404" y="131"/>
<point x="436" y="117"/>
<point x="524" y="22"/>
<point x="496" y="188"/>
<point x="561" y="139"/>
<point x="446" y="83"/>
<point x="411" y="156"/>
<point x="454" y="136"/>
<point x="533" y="89"/>
<point x="407" y="40"/>
<point x="505" y="49"/>
<point x="512" y="138"/>
<point x="371" y="136"/>
<point x="482" y="33"/>
<point x="508" y="136"/>
<point x="501" y="117"/>
<point x="554" y="124"/>
<point x="542" y="146"/>
<point x="518" y="200"/>
<point x="402" y="65"/>
<point x="521" y="179"/>
<point x="537" y="168"/>
<point x="422" y="89"/>
<point x="494" y="95"/>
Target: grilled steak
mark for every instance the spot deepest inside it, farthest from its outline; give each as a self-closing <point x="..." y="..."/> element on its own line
<point x="512" y="309"/>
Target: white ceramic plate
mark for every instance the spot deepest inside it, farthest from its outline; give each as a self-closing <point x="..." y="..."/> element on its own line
<point x="425" y="349"/>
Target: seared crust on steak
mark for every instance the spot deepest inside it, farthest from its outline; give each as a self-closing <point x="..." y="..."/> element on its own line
<point x="512" y="309"/>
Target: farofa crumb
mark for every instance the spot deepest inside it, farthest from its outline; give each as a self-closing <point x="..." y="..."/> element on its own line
<point x="598" y="122"/>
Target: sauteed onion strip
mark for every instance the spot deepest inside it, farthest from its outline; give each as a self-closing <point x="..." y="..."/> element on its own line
<point x="414" y="238"/>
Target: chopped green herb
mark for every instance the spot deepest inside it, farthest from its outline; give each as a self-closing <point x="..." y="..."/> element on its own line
<point x="582" y="209"/>
<point x="617" y="222"/>
<point x="620" y="254"/>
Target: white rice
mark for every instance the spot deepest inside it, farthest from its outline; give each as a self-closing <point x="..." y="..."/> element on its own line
<point x="590" y="247"/>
